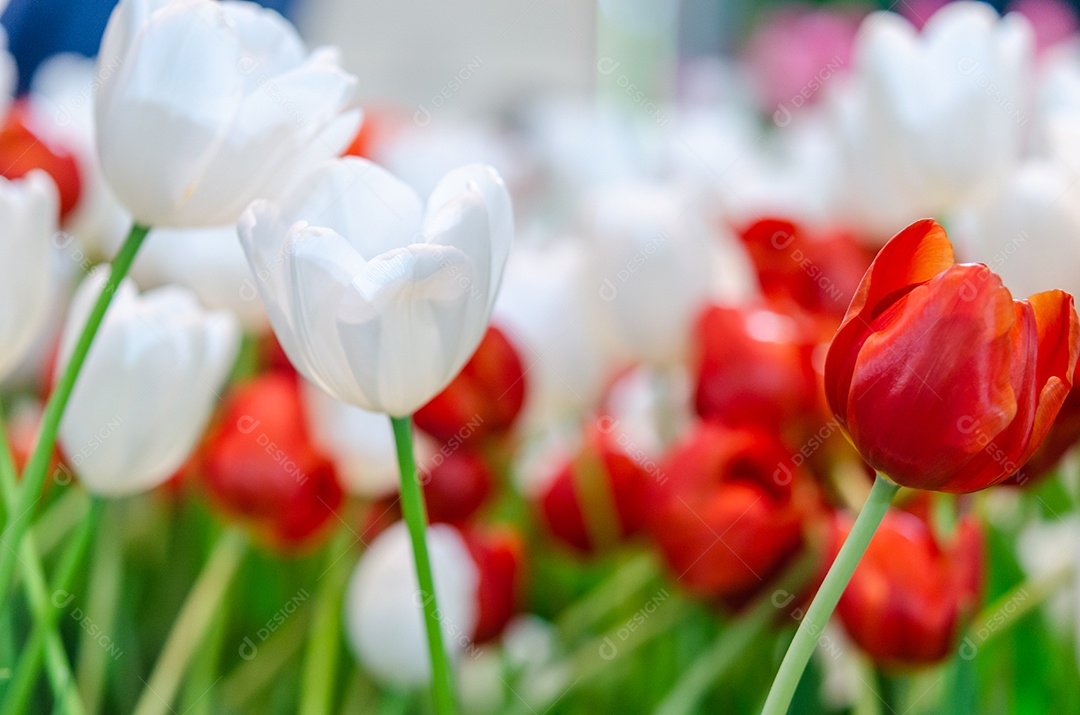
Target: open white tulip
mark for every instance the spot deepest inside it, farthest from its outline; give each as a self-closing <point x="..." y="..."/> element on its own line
<point x="375" y="300"/>
<point x="383" y="620"/>
<point x="147" y="388"/>
<point x="204" y="106"/>
<point x="28" y="210"/>
<point x="944" y="110"/>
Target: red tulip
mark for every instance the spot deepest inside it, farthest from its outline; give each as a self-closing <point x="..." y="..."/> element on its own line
<point x="753" y="367"/>
<point x="912" y="592"/>
<point x="598" y="499"/>
<point x="1063" y="436"/>
<point x="21" y="150"/>
<point x="484" y="399"/>
<point x="499" y="553"/>
<point x="727" y="521"/>
<point x="940" y="378"/>
<point x="818" y="274"/>
<point x="259" y="464"/>
<point x="457" y="486"/>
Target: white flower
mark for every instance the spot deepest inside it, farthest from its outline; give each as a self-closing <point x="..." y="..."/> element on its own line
<point x="204" y="106"/>
<point x="8" y="72"/>
<point x="147" y="388"/>
<point x="654" y="257"/>
<point x="942" y="113"/>
<point x="383" y="617"/>
<point x="375" y="300"/>
<point x="28" y="210"/>
<point x="1030" y="233"/>
<point x="209" y="261"/>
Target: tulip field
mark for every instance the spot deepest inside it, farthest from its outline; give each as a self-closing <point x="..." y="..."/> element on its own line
<point x="728" y="369"/>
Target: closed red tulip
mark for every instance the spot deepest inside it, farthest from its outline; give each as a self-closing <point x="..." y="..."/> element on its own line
<point x="499" y="553"/>
<point x="727" y="520"/>
<point x="598" y="499"/>
<point x="456" y="486"/>
<point x="1063" y="436"/>
<point x="484" y="399"/>
<point x="22" y="150"/>
<point x="940" y="378"/>
<point x="912" y="592"/>
<point x="753" y="367"/>
<point x="260" y="466"/>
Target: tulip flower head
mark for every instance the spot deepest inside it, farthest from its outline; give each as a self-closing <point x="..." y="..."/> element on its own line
<point x="204" y="106"/>
<point x="375" y="300"/>
<point x="147" y="388"/>
<point x="28" y="213"/>
<point x="941" y="380"/>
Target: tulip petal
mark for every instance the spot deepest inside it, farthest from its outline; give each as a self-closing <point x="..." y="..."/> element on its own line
<point x="911" y="258"/>
<point x="905" y="398"/>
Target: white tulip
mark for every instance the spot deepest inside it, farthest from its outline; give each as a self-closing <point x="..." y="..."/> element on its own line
<point x="1030" y="233"/>
<point x="28" y="210"/>
<point x="209" y="261"/>
<point x="375" y="300"/>
<point x="383" y="617"/>
<point x="8" y="72"/>
<point x="204" y="106"/>
<point x="147" y="388"/>
<point x="654" y="261"/>
<point x="943" y="112"/>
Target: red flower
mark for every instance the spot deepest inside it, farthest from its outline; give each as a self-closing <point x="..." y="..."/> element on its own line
<point x="21" y="150"/>
<point x="484" y="399"/>
<point x="940" y="378"/>
<point x="1063" y="436"/>
<point x="598" y="499"/>
<point x="818" y="274"/>
<point x="911" y="592"/>
<point x="457" y="487"/>
<point x="499" y="553"/>
<point x="728" y="520"/>
<point x="259" y="464"/>
<point x="753" y="367"/>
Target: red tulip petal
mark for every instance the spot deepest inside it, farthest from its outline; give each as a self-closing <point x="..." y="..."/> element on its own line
<point x="932" y="380"/>
<point x="911" y="258"/>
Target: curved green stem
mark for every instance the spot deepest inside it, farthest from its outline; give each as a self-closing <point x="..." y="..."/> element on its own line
<point x="190" y="626"/>
<point x="806" y="637"/>
<point x="37" y="469"/>
<point x="59" y="669"/>
<point x="412" y="506"/>
<point x="22" y="686"/>
<point x="106" y="574"/>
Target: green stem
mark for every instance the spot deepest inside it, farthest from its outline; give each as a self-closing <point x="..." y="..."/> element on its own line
<point x="106" y="573"/>
<point x="734" y="640"/>
<point x="37" y="593"/>
<point x="415" y="512"/>
<point x="18" y="696"/>
<point x="37" y="469"/>
<point x="806" y="637"/>
<point x="324" y="642"/>
<point x="187" y="632"/>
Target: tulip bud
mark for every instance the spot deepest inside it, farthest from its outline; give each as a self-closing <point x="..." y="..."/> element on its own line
<point x="499" y="553"/>
<point x="940" y="378"/>
<point x="28" y="214"/>
<point x="249" y="114"/>
<point x="383" y="604"/>
<point x="729" y="518"/>
<point x="259" y="464"/>
<point x="754" y="367"/>
<point x="596" y="499"/>
<point x="22" y="150"/>
<point x="375" y="300"/>
<point x="456" y="486"/>
<point x="147" y="388"/>
<point x="484" y="399"/>
<point x="912" y="592"/>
